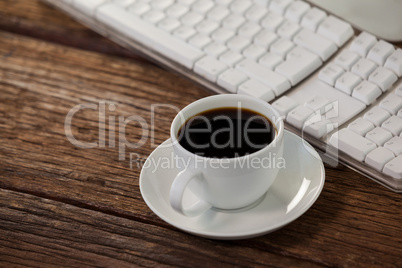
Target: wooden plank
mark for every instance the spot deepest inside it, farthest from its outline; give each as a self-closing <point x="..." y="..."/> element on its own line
<point x="355" y="221"/>
<point x="35" y="19"/>
<point x="38" y="89"/>
<point x="36" y="231"/>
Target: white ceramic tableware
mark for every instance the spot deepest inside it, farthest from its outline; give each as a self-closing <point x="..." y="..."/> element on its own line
<point x="225" y="183"/>
<point x="294" y="191"/>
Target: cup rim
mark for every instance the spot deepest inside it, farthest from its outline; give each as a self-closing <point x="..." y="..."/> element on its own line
<point x="278" y="124"/>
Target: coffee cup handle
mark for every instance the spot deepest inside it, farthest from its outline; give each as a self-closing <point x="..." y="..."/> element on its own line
<point x="177" y="191"/>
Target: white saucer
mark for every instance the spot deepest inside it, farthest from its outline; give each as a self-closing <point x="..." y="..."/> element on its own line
<point x="293" y="192"/>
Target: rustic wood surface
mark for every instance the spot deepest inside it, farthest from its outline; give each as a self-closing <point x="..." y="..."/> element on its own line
<point x="61" y="205"/>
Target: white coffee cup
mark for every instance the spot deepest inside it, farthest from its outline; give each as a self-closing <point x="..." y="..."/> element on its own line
<point x="227" y="183"/>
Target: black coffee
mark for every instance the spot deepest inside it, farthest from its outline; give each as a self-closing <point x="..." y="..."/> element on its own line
<point x="226" y="133"/>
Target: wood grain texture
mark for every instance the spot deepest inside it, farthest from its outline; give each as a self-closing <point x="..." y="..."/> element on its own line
<point x="50" y="233"/>
<point x="64" y="205"/>
<point x="35" y="19"/>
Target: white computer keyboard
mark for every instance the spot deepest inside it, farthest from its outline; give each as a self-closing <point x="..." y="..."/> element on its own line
<point x="336" y="90"/>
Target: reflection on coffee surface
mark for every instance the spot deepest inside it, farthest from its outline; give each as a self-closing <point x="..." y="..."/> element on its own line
<point x="226" y="133"/>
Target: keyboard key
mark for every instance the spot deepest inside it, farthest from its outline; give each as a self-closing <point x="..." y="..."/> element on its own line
<point x="256" y="89"/>
<point x="209" y="68"/>
<point x="222" y="35"/>
<point x="233" y="21"/>
<point x="400" y="114"/>
<point x="391" y="103"/>
<point x="272" y="21"/>
<point x="278" y="83"/>
<point x="284" y="105"/>
<point x="380" y="52"/>
<point x="364" y="68"/>
<point x="296" y="10"/>
<point x="393" y="125"/>
<point x="318" y="129"/>
<point x="319" y="104"/>
<point x="256" y="13"/>
<point x="161" y="4"/>
<point x="281" y="47"/>
<point x="394" y="145"/>
<point x="379" y="136"/>
<point x="215" y="49"/>
<point x="184" y="32"/>
<point x="383" y="78"/>
<point x="218" y="13"/>
<point x="172" y="10"/>
<point x="249" y="29"/>
<point x="298" y="116"/>
<point x="315" y="43"/>
<point x="207" y="26"/>
<point x="366" y="92"/>
<point x="398" y="90"/>
<point x="176" y="11"/>
<point x="394" y="62"/>
<point x="231" y="80"/>
<point x="361" y="126"/>
<point x="298" y="65"/>
<point x="191" y="18"/>
<point x="143" y="1"/>
<point x="231" y="57"/>
<point x="345" y="107"/>
<point x="135" y="28"/>
<point x="262" y="3"/>
<point x="153" y="16"/>
<point x="271" y="60"/>
<point x="186" y="2"/>
<point x="124" y="3"/>
<point x="363" y="43"/>
<point x="169" y="24"/>
<point x="254" y="52"/>
<point x="223" y="2"/>
<point x="199" y="40"/>
<point x="139" y="8"/>
<point x="347" y="82"/>
<point x="89" y="6"/>
<point x="377" y="116"/>
<point x="238" y="43"/>
<point x="330" y="73"/>
<point x="335" y="30"/>
<point x="202" y="6"/>
<point x="279" y="6"/>
<point x="313" y="18"/>
<point x="288" y="29"/>
<point x="394" y="168"/>
<point x="352" y="144"/>
<point x="379" y="157"/>
<point x="346" y="59"/>
<point x="240" y="6"/>
<point x="265" y="38"/>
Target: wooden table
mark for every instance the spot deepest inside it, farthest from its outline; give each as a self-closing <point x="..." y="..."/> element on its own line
<point x="69" y="206"/>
